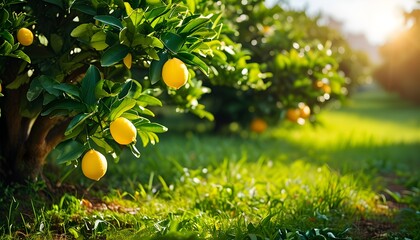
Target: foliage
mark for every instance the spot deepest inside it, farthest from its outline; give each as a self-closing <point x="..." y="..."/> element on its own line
<point x="399" y="71"/>
<point x="76" y="70"/>
<point x="300" y="54"/>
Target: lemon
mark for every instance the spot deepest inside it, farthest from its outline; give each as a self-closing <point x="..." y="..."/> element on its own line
<point x="25" y="36"/>
<point x="305" y="110"/>
<point x="258" y="125"/>
<point x="175" y="73"/>
<point x="94" y="165"/>
<point x="123" y="131"/>
<point x="128" y="60"/>
<point x="293" y="114"/>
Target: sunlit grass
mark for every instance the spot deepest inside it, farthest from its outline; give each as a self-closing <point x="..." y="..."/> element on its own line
<point x="291" y="178"/>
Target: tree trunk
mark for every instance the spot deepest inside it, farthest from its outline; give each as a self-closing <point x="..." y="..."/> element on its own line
<point x="45" y="134"/>
<point x="27" y="142"/>
<point x="24" y="143"/>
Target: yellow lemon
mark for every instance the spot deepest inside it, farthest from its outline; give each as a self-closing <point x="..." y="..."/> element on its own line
<point x="123" y="131"/>
<point x="258" y="125"/>
<point x="305" y="110"/>
<point x="25" y="36"/>
<point x="94" y="165"/>
<point x="175" y="73"/>
<point x="128" y="60"/>
<point x="293" y="114"/>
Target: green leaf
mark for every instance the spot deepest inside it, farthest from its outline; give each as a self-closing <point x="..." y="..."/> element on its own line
<point x="194" y="24"/>
<point x="156" y="12"/>
<point x="145" y="100"/>
<point x="114" y="55"/>
<point x="124" y="106"/>
<point x="76" y="132"/>
<point x="155" y="70"/>
<point x="87" y="90"/>
<point x="82" y="30"/>
<point x="21" y="55"/>
<point x="151" y="127"/>
<point x="152" y="53"/>
<point x="98" y="41"/>
<point x="194" y="60"/>
<point x="69" y="89"/>
<point x="110" y="20"/>
<point x="137" y="16"/>
<point x="48" y="98"/>
<point x="4" y="15"/>
<point x="131" y="88"/>
<point x="144" y="111"/>
<point x="66" y="105"/>
<point x="191" y="5"/>
<point x="6" y="48"/>
<point x="56" y="42"/>
<point x="7" y="36"/>
<point x="49" y="84"/>
<point x="107" y="88"/>
<point x="103" y="144"/>
<point x="69" y="150"/>
<point x="19" y="81"/>
<point x="203" y="114"/>
<point x="144" y="138"/>
<point x="35" y="89"/>
<point x="173" y="41"/>
<point x="77" y="121"/>
<point x="84" y="8"/>
<point x="153" y="137"/>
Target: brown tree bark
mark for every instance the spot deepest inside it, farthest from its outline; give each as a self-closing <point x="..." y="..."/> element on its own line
<point x="24" y="143"/>
<point x="44" y="136"/>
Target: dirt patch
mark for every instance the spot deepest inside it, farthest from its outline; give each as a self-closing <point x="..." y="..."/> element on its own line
<point x="373" y="229"/>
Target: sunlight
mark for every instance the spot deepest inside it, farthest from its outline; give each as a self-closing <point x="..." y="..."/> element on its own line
<point x="385" y="21"/>
<point x="377" y="19"/>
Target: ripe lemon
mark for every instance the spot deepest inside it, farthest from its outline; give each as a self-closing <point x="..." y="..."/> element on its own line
<point x="258" y="125"/>
<point x="94" y="165"/>
<point x="123" y="131"/>
<point x="128" y="60"/>
<point x="326" y="88"/>
<point x="319" y="84"/>
<point x="305" y="110"/>
<point x="0" y="88"/>
<point x="175" y="73"/>
<point x="293" y="114"/>
<point x="25" y="36"/>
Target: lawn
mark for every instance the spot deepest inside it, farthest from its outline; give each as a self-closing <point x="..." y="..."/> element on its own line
<point x="355" y="175"/>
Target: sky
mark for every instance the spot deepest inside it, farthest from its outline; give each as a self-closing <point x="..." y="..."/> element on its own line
<point x="377" y="19"/>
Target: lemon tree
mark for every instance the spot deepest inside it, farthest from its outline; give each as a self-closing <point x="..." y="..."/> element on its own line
<point x="303" y="62"/>
<point x="87" y="75"/>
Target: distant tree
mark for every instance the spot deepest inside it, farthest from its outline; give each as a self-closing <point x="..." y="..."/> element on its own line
<point x="306" y="64"/>
<point x="400" y="70"/>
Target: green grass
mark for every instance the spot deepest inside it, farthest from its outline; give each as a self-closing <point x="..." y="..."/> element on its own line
<point x="358" y="167"/>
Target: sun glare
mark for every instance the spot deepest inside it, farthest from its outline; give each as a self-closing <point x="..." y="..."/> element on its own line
<point x="377" y="19"/>
<point x="385" y="21"/>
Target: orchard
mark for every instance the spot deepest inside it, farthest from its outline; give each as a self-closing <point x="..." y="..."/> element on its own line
<point x="72" y="70"/>
<point x="93" y="94"/>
